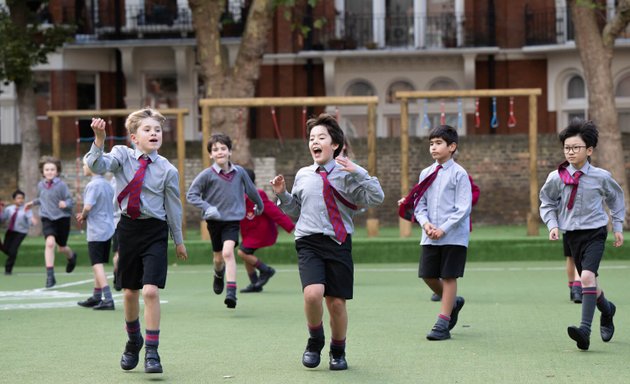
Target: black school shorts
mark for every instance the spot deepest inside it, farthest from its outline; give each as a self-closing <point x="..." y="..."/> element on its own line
<point x="143" y="247"/>
<point x="322" y="261"/>
<point x="442" y="261"/>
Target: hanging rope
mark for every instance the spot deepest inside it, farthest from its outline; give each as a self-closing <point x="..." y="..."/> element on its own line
<point x="460" y="114"/>
<point x="511" y="119"/>
<point x="442" y="113"/>
<point x="477" y="118"/>
<point x="304" y="123"/>
<point x="275" y="125"/>
<point x="426" y="123"/>
<point x="494" y="123"/>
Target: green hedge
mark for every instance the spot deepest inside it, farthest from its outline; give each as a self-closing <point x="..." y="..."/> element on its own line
<point x="388" y="250"/>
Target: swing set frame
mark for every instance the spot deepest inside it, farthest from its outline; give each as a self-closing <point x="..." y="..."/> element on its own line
<point x="370" y="101"/>
<point x="533" y="219"/>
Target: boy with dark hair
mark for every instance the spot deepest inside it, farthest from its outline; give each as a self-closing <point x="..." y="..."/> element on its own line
<point x="148" y="194"/>
<point x="19" y="221"/>
<point x="259" y="232"/>
<point x="572" y="201"/>
<point x="325" y="197"/>
<point x="443" y="212"/>
<point x="55" y="209"/>
<point x="218" y="191"/>
<point x="98" y="211"/>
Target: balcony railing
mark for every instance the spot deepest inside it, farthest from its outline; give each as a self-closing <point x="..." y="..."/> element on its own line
<point x="367" y="31"/>
<point x="154" y="22"/>
<point x="554" y="26"/>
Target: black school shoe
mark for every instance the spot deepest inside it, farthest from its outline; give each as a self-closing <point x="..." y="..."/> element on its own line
<point x="251" y="289"/>
<point x="230" y="300"/>
<point x="104" y="305"/>
<point x="72" y="262"/>
<point x="130" y="357"/>
<point x="581" y="337"/>
<point x="218" y="283"/>
<point x="89" y="302"/>
<point x="265" y="276"/>
<point x="338" y="363"/>
<point x="312" y="355"/>
<point x="152" y="361"/>
<point x="459" y="304"/>
<point x="606" y="326"/>
<point x="438" y="334"/>
<point x="50" y="281"/>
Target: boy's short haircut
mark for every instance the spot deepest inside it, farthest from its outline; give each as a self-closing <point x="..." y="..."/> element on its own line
<point x="251" y="174"/>
<point x="133" y="120"/>
<point x="331" y="124"/>
<point x="587" y="130"/>
<point x="219" y="138"/>
<point x="49" y="160"/>
<point x="18" y="192"/>
<point x="445" y="132"/>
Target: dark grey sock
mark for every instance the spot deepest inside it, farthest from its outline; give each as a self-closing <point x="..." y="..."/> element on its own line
<point x="442" y="322"/>
<point x="253" y="277"/>
<point x="97" y="293"/>
<point x="107" y="292"/>
<point x="589" y="302"/>
<point x="603" y="304"/>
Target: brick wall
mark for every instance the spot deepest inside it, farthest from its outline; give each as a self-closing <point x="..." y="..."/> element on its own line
<point x="498" y="163"/>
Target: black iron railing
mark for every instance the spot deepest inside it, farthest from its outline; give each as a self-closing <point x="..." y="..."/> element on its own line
<point x="366" y="31"/>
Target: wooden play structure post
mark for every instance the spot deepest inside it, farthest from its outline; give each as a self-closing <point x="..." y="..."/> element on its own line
<point x="533" y="219"/>
<point x="181" y="143"/>
<point x="370" y="101"/>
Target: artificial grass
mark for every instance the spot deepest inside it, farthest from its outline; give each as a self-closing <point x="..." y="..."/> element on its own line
<point x="491" y="243"/>
<point x="511" y="330"/>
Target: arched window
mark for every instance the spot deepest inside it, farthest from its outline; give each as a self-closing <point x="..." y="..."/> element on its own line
<point x="396" y="86"/>
<point x="360" y="88"/>
<point x="576" y="88"/>
<point x="443" y="84"/>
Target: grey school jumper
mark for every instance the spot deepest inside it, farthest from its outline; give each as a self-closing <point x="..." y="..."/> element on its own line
<point x="220" y="196"/>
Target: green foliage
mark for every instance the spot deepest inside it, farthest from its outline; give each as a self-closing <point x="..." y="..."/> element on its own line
<point x="25" y="42"/>
<point x="292" y="14"/>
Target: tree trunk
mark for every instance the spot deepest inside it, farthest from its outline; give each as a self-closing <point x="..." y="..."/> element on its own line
<point x="29" y="159"/>
<point x="238" y="81"/>
<point x="596" y="58"/>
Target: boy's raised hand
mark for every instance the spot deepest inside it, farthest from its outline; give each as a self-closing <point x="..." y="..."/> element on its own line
<point x="98" y="126"/>
<point x="346" y="164"/>
<point x="278" y="184"/>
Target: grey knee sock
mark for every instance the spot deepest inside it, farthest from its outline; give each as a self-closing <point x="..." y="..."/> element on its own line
<point x="589" y="302"/>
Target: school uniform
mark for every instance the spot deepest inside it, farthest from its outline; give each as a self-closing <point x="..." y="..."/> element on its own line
<point x="100" y="220"/>
<point x="262" y="231"/>
<point x="323" y="258"/>
<point x="143" y="242"/>
<point x="446" y="204"/>
<point x="585" y="224"/>
<point x="18" y="223"/>
<point x="55" y="220"/>
<point x="573" y="203"/>
<point x="219" y="196"/>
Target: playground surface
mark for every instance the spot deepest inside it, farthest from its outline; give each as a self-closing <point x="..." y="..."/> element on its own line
<point x="512" y="329"/>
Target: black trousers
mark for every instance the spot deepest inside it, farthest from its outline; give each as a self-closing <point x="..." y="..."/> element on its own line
<point x="12" y="241"/>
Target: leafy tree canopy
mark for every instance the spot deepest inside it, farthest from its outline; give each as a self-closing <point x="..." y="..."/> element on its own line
<point x="25" y="40"/>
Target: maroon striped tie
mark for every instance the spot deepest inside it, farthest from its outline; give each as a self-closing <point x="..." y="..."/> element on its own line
<point x="333" y="210"/>
<point x="134" y="188"/>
